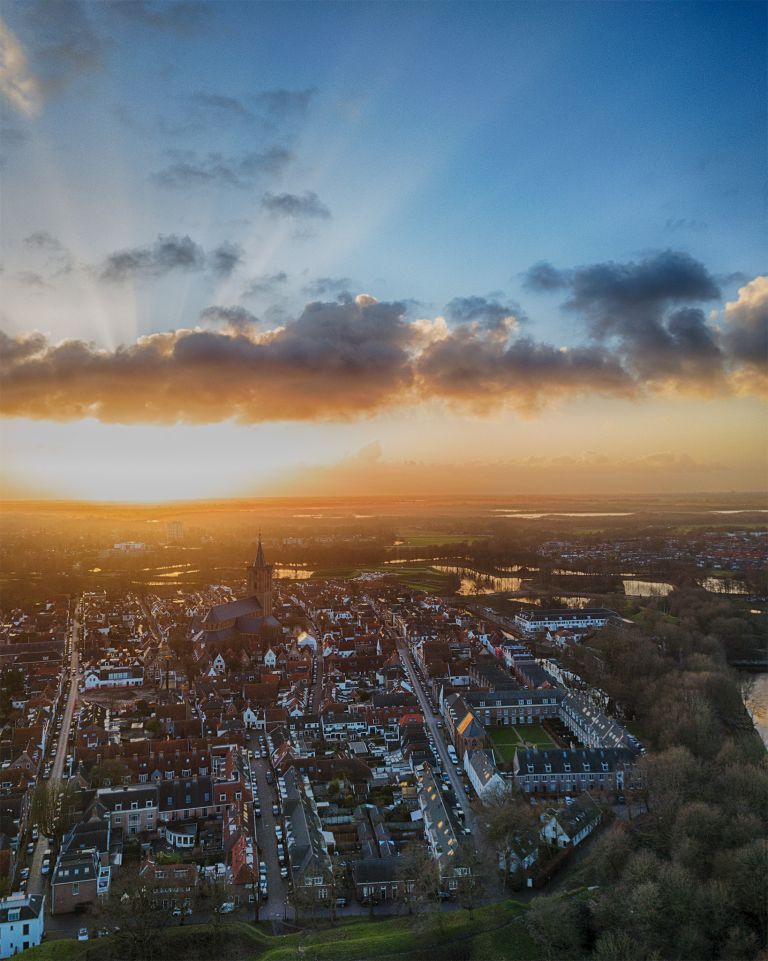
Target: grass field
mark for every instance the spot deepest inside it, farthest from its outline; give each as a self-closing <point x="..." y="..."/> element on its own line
<point x="495" y="933"/>
<point x="426" y="538"/>
<point x="420" y="578"/>
<point x="506" y="740"/>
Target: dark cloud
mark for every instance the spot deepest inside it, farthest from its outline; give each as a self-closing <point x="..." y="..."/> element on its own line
<point x="42" y="240"/>
<point x="342" y="360"/>
<point x="265" y="284"/>
<point x="185" y="18"/>
<point x="333" y="361"/>
<point x="61" y="43"/>
<point x="544" y="277"/>
<point x="631" y="307"/>
<point x="236" y="318"/>
<point x="483" y="310"/>
<point x="339" y="287"/>
<point x="191" y="170"/>
<point x="297" y="206"/>
<point x="473" y="367"/>
<point x="225" y="258"/>
<point x="167" y="255"/>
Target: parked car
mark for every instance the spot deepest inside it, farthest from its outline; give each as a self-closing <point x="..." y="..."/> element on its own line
<point x="284" y="871"/>
<point x="257" y="811"/>
<point x="24" y="874"/>
<point x="275" y="809"/>
<point x="82" y="934"/>
<point x="46" y="866"/>
<point x="227" y="908"/>
<point x="31" y="847"/>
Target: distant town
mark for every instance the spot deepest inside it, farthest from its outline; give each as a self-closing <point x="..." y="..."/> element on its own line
<point x="280" y="748"/>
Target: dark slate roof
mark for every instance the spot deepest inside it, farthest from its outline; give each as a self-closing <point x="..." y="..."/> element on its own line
<point x="28" y="906"/>
<point x="185" y="793"/>
<point x="375" y="870"/>
<point x="141" y="793"/>
<point x="581" y="760"/>
<point x="76" y="866"/>
<point x="230" y="610"/>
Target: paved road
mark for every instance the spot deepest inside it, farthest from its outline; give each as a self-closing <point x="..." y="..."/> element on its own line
<point x="37" y="882"/>
<point x="274" y="908"/>
<point x="316" y="698"/>
<point x="431" y="720"/>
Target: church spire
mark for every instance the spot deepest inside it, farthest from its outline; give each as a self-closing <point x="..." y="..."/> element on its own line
<point x="260" y="562"/>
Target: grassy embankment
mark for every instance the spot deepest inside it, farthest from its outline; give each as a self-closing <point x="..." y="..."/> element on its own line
<point x="495" y="933"/>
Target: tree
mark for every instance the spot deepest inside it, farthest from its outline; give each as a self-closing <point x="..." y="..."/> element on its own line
<point x="555" y="925"/>
<point x="135" y="907"/>
<point x="108" y="772"/>
<point x="513" y="828"/>
<point x="53" y="807"/>
<point x="419" y="871"/>
<point x="473" y="881"/>
<point x="219" y="892"/>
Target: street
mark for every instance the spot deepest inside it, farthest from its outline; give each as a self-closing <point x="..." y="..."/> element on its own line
<point x="277" y="887"/>
<point x="431" y="720"/>
<point x="36" y="879"/>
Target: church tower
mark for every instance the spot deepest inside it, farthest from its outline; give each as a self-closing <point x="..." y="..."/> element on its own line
<point x="260" y="581"/>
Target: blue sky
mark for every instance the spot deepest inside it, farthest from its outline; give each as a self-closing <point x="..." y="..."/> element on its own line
<point x="430" y="151"/>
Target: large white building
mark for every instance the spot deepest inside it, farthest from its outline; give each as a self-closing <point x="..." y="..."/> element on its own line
<point x="22" y="921"/>
<point x="116" y="675"/>
<point x="587" y="618"/>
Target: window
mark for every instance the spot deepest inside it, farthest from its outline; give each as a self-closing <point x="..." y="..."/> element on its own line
<point x="25" y="929"/>
<point x="148" y="804"/>
<point x="134" y="805"/>
<point x="118" y="807"/>
<point x="13" y="915"/>
<point x="75" y="888"/>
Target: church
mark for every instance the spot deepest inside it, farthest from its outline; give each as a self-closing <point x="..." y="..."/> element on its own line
<point x="248" y="619"/>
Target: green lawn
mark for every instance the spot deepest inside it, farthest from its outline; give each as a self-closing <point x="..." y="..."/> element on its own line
<point x="427" y="538"/>
<point x="506" y="740"/>
<point x="495" y="933"/>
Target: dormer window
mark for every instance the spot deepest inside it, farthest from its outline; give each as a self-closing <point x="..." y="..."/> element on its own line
<point x="548" y="768"/>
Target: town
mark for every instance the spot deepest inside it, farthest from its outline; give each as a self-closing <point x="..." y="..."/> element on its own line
<point x="280" y="748"/>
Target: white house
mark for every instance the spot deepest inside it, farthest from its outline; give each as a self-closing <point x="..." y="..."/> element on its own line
<point x="22" y="922"/>
<point x="119" y="675"/>
<point x="270" y="658"/>
<point x="569" y="825"/>
<point x="587" y="618"/>
<point x="483" y="774"/>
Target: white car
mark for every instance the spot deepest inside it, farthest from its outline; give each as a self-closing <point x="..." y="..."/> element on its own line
<point x="82" y="934"/>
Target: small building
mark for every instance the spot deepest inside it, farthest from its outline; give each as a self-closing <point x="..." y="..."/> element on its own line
<point x="483" y="774"/>
<point x="22" y="923"/>
<point x="569" y="825"/>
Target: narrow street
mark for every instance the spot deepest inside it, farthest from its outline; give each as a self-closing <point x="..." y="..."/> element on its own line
<point x="37" y="881"/>
<point x="431" y="720"/>
<point x="274" y="907"/>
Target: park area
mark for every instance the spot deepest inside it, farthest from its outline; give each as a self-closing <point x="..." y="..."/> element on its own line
<point x="506" y="740"/>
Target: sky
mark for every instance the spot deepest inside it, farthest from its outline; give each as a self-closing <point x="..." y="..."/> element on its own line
<point x="344" y="248"/>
